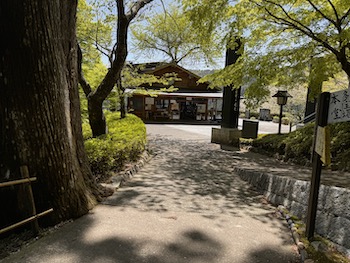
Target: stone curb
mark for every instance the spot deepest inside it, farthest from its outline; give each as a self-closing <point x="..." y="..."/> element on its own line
<point x="130" y="173"/>
<point x="296" y="237"/>
<point x="118" y="180"/>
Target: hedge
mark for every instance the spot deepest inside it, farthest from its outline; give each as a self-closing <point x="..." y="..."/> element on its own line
<point x="125" y="141"/>
<point x="296" y="146"/>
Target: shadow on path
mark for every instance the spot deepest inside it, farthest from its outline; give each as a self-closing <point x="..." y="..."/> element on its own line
<point x="185" y="206"/>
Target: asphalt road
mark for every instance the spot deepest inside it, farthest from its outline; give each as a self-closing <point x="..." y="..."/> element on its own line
<point x="203" y="132"/>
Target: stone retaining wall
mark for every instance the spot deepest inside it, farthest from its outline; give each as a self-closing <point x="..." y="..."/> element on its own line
<point x="333" y="213"/>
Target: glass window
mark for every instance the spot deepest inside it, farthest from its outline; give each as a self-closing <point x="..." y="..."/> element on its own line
<point x="162" y="104"/>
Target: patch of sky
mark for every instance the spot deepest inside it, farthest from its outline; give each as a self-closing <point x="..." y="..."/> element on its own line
<point x="107" y="9"/>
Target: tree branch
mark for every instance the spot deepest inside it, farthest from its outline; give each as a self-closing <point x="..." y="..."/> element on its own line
<point x="187" y="54"/>
<point x="334" y="10"/>
<point x="136" y="8"/>
<point x="297" y="25"/>
<point x="336" y="24"/>
<point x="154" y="46"/>
<point x="101" y="49"/>
<point x="82" y="81"/>
<point x="120" y="49"/>
<point x="287" y="15"/>
<point x="345" y="16"/>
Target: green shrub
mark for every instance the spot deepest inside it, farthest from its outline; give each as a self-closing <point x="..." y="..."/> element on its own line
<point x="254" y="114"/>
<point x="285" y="120"/>
<point x="270" y="143"/>
<point x="297" y="145"/>
<point x="275" y="119"/>
<point x="340" y="145"/>
<point x="294" y="146"/>
<point x="87" y="133"/>
<point x="125" y="141"/>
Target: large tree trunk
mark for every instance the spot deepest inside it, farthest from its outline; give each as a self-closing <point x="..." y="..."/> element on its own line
<point x="40" y="113"/>
<point x="97" y="119"/>
<point x="96" y="98"/>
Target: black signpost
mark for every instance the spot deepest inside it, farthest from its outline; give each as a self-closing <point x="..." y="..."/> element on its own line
<point x="231" y="96"/>
<point x="321" y="121"/>
<point x="331" y="108"/>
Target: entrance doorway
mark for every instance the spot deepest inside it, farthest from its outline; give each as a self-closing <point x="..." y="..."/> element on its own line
<point x="188" y="110"/>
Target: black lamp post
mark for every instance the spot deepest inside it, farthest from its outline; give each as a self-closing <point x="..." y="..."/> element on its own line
<point x="282" y="97"/>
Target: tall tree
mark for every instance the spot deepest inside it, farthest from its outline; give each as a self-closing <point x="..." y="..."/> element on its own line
<point x="40" y="122"/>
<point x="171" y="34"/>
<point x="117" y="58"/>
<point x="281" y="37"/>
<point x="93" y="32"/>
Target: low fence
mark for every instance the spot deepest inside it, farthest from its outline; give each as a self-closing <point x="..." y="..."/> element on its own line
<point x="26" y="180"/>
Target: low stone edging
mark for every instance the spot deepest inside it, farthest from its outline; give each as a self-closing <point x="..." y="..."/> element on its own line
<point x="333" y="213"/>
<point x="125" y="175"/>
<point x="129" y="173"/>
<point x="296" y="237"/>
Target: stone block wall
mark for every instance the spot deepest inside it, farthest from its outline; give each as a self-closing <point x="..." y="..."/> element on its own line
<point x="333" y="211"/>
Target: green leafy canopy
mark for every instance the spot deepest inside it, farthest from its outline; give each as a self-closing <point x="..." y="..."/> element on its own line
<point x="171" y="33"/>
<point x="285" y="43"/>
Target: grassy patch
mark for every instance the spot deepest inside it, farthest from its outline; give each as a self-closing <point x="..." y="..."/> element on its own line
<point x="125" y="141"/>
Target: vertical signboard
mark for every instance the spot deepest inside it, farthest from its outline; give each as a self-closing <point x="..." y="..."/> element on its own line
<point x="331" y="108"/>
<point x="339" y="106"/>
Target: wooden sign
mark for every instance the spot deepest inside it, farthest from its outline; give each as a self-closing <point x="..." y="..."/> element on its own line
<point x="339" y="106"/>
<point x="322" y="144"/>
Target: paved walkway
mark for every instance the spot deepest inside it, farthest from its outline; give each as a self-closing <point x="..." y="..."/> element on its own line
<point x="248" y="160"/>
<point x="186" y="205"/>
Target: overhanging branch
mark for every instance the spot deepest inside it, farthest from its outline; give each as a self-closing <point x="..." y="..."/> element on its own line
<point x="136" y="8"/>
<point x="334" y="10"/>
<point x="297" y="25"/>
<point x="335" y="23"/>
<point x="345" y="16"/>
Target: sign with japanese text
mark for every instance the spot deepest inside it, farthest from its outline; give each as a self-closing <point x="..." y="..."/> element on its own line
<point x="322" y="144"/>
<point x="339" y="106"/>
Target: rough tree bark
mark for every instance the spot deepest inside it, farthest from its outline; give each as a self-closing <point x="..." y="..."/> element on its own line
<point x="121" y="94"/>
<point x="95" y="98"/>
<point x="39" y="101"/>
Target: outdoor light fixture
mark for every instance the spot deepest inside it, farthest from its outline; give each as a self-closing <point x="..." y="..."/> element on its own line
<point x="282" y="97"/>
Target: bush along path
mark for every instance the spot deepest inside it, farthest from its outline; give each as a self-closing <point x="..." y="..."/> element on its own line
<point x="124" y="144"/>
<point x="296" y="146"/>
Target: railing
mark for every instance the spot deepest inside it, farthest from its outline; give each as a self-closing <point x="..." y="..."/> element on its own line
<point x="29" y="193"/>
<point x="307" y="119"/>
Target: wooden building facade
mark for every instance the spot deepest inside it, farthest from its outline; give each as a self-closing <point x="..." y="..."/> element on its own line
<point x="192" y="101"/>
